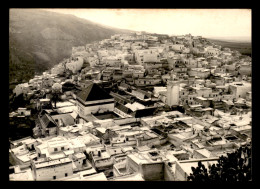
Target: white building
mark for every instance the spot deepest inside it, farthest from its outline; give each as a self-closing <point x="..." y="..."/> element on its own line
<point x="24" y="112"/>
<point x="52" y="169"/>
<point x="239" y="89"/>
<point x="173" y="89"/>
<point x="76" y="65"/>
<point x="178" y="47"/>
<point x="94" y="100"/>
<point x="57" y="144"/>
<point x="210" y="51"/>
<point x="147" y="55"/>
<point x="59" y="69"/>
<point x="199" y="72"/>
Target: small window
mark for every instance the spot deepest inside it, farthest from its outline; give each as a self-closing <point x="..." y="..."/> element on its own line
<point x="62" y="148"/>
<point x="66" y="174"/>
<point x="55" y="149"/>
<point x="54" y="177"/>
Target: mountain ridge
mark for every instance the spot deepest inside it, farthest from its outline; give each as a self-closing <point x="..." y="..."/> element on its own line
<point x="39" y="39"/>
<point x="244" y="47"/>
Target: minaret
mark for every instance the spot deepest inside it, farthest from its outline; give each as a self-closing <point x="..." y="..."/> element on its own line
<point x="173" y="89"/>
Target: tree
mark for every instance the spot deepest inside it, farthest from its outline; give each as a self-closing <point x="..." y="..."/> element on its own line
<point x="56" y="91"/>
<point x="235" y="167"/>
<point x="55" y="98"/>
<point x="17" y="102"/>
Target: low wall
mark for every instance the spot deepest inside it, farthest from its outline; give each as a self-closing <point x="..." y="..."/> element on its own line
<point x="153" y="172"/>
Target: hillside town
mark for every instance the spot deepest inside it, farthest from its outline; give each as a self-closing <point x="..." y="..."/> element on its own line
<point x="135" y="107"/>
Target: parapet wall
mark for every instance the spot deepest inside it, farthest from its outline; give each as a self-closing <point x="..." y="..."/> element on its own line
<point x="153" y="172"/>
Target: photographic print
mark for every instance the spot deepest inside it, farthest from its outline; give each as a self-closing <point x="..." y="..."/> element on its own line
<point x="130" y="94"/>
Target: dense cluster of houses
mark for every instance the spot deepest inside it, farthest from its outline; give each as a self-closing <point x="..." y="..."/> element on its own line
<point x="135" y="107"/>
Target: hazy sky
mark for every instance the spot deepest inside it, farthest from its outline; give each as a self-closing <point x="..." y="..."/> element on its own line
<point x="205" y="22"/>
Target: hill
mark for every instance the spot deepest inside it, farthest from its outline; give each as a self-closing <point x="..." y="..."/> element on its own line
<point x="39" y="39"/>
<point x="244" y="47"/>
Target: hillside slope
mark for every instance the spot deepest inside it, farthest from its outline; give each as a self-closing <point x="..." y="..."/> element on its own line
<point x="40" y="39"/>
<point x="242" y="46"/>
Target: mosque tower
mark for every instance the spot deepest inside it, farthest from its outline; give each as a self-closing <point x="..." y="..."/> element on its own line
<point x="173" y="89"/>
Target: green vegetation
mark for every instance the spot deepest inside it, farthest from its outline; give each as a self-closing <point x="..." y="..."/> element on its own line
<point x="17" y="102"/>
<point x="21" y="66"/>
<point x="40" y="39"/>
<point x="235" y="167"/>
<point x="243" y="47"/>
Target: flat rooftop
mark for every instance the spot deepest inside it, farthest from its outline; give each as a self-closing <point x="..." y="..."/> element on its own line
<point x="57" y="143"/>
<point x="132" y="177"/>
<point x="186" y="165"/>
<point x="107" y="115"/>
<point x="51" y="163"/>
<point x="22" y="176"/>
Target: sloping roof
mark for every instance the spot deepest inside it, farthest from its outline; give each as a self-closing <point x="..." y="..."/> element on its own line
<point x="93" y="92"/>
<point x="74" y="114"/>
<point x="135" y="106"/>
<point x="228" y="102"/>
<point x="66" y="118"/>
<point x="48" y="121"/>
<point x="123" y="108"/>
